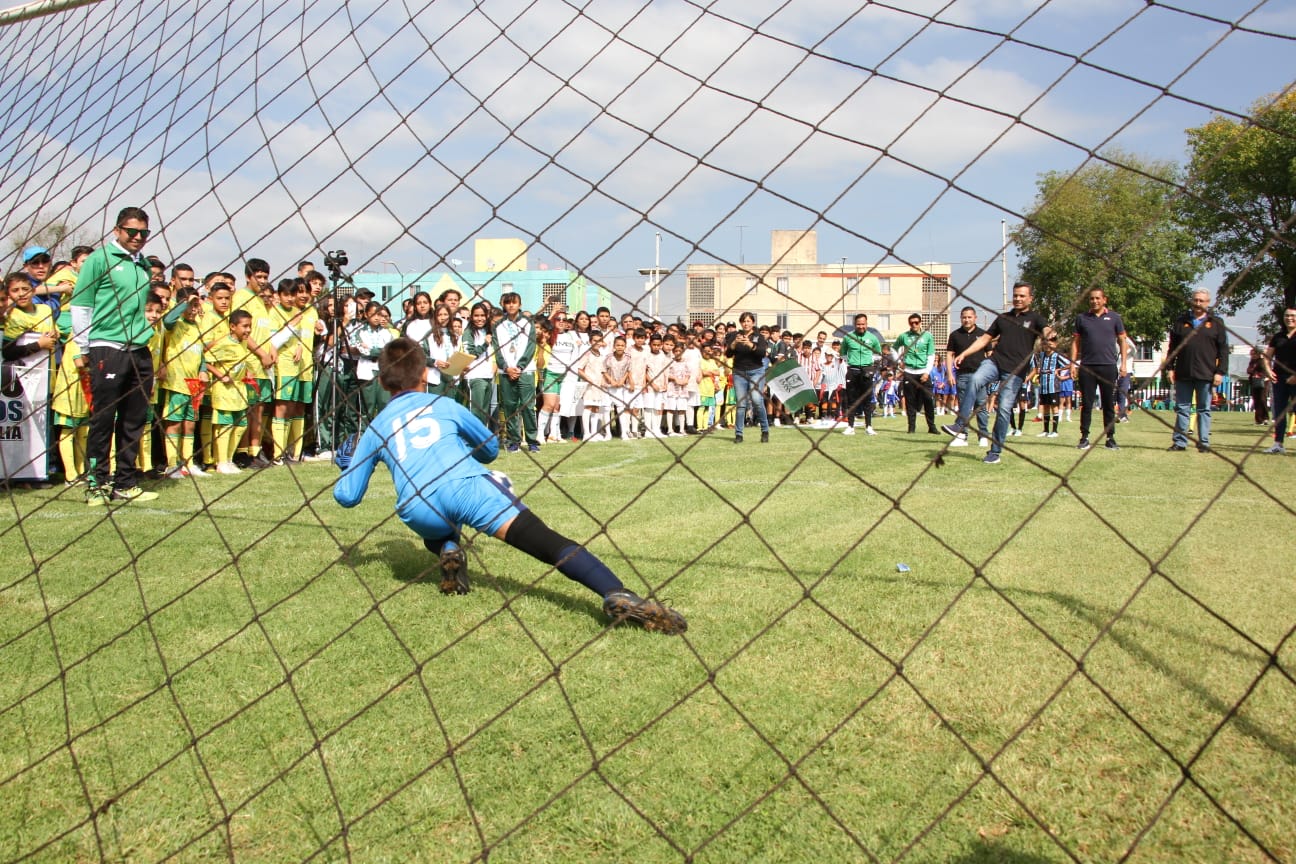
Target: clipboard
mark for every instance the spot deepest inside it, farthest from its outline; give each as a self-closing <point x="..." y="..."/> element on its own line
<point x="458" y="362"/>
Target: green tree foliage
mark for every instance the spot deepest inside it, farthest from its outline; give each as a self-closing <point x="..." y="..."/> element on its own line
<point x="1242" y="200"/>
<point x="1111" y="225"/>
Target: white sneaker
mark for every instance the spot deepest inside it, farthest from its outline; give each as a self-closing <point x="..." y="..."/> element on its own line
<point x="1052" y="434"/>
<point x="178" y="473"/>
<point x="984" y="442"/>
<point x="1042" y="435"/>
<point x="1277" y="450"/>
<point x="228" y="468"/>
<point x="196" y="470"/>
<point x="849" y="430"/>
<point x="958" y="441"/>
<point x="869" y="430"/>
<point x="322" y="456"/>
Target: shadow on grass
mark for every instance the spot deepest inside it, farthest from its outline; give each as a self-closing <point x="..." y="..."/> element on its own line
<point x="412" y="564"/>
<point x="983" y="852"/>
<point x="1098" y="617"/>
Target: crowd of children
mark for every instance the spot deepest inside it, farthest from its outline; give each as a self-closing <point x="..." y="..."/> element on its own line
<point x="257" y="376"/>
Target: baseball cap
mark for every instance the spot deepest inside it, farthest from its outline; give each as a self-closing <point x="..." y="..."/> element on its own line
<point x="34" y="252"/>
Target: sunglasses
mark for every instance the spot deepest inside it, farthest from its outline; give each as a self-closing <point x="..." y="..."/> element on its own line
<point x="132" y="233"/>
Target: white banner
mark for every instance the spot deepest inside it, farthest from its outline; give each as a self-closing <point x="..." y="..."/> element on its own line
<point x="24" y="416"/>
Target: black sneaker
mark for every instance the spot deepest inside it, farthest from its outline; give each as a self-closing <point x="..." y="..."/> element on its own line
<point x="1083" y="445"/>
<point x="242" y="460"/>
<point x="764" y="437"/>
<point x="1176" y="448"/>
<point x="738" y="439"/>
<point x="454" y="571"/>
<point x="260" y="461"/>
<point x="1111" y="444"/>
<point x="648" y="614"/>
<point x="1203" y="448"/>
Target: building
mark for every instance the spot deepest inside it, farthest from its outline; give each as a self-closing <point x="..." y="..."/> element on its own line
<point x="500" y="266"/>
<point x="796" y="292"/>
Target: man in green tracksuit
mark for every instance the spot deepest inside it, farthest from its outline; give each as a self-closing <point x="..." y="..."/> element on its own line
<point x="860" y="350"/>
<point x="917" y="350"/>
<point x="515" y="349"/>
<point x="112" y="334"/>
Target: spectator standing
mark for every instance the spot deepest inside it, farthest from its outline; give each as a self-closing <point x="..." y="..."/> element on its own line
<point x="860" y="351"/>
<point x="1099" y="354"/>
<point x="916" y="349"/>
<point x="112" y="335"/>
<point x="1280" y="367"/>
<point x="1196" y="358"/>
<point x="748" y="351"/>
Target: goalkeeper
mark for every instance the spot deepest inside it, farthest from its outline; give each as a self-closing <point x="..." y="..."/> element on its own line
<point x="436" y="450"/>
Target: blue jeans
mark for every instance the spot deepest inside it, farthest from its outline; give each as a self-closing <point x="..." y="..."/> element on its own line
<point x="978" y="397"/>
<point x="1009" y="386"/>
<point x="1185" y="390"/>
<point x="747" y="391"/>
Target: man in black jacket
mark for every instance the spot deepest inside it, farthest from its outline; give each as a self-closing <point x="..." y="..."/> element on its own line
<point x="1196" y="359"/>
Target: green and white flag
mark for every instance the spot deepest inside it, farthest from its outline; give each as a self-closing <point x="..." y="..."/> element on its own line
<point x="790" y="384"/>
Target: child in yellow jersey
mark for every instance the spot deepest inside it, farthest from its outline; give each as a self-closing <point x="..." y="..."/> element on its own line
<point x="154" y="306"/>
<point x="183" y="383"/>
<point x="227" y="362"/>
<point x="71" y="413"/>
<point x="293" y="341"/>
<point x="257" y="298"/>
<point x="214" y="326"/>
<point x="29" y="331"/>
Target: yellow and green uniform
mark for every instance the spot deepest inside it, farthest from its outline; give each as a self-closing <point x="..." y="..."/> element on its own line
<point x="227" y="358"/>
<point x="183" y="358"/>
<point x="144" y="461"/>
<point x="263" y="327"/>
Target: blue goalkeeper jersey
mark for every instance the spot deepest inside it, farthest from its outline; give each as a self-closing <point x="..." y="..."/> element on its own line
<point x="425" y="441"/>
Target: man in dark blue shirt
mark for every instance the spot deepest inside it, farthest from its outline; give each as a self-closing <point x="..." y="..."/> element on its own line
<point x="1099" y="345"/>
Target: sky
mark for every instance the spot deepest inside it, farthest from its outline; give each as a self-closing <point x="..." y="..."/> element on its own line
<point x="901" y="132"/>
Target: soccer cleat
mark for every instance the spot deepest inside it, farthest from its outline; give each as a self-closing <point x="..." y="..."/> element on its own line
<point x="454" y="571"/>
<point x="648" y="614"/>
<point x="1083" y="445"/>
<point x="134" y="493"/>
<point x="991" y="458"/>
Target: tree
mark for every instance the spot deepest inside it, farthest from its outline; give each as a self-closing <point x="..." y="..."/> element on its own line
<point x="53" y="233"/>
<point x="1242" y="199"/>
<point x="1112" y="225"/>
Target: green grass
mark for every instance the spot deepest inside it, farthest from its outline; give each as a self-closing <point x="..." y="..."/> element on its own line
<point x="1090" y="657"/>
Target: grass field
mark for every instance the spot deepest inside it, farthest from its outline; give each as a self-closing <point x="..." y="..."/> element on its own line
<point x="1090" y="658"/>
